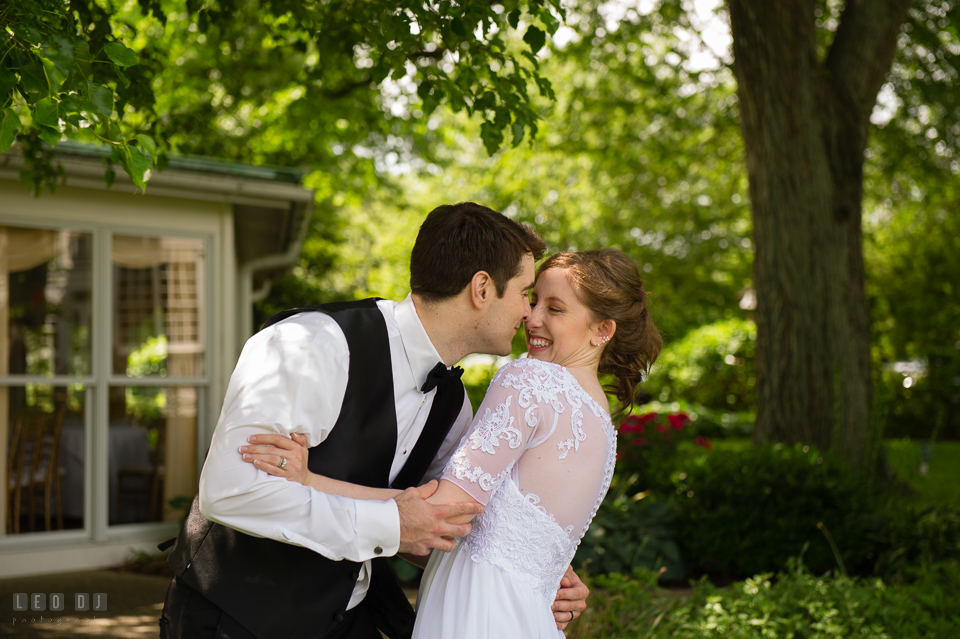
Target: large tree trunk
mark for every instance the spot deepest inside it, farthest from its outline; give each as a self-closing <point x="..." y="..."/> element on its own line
<point x="805" y="123"/>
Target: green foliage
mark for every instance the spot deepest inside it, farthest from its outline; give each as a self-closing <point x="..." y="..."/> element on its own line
<point x="906" y="537"/>
<point x="744" y="512"/>
<point x="628" y="534"/>
<point x="911" y="226"/>
<point x="65" y="72"/>
<point x="144" y="403"/>
<point x="208" y="76"/>
<point x="712" y="366"/>
<point x="794" y="604"/>
<point x="914" y="258"/>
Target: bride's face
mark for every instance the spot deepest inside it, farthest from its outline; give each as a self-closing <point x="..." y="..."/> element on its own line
<point x="560" y="328"/>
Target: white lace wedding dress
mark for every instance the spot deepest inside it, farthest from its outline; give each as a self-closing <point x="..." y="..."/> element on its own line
<point x="539" y="456"/>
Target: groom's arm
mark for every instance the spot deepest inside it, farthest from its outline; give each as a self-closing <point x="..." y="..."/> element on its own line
<point x="291" y="377"/>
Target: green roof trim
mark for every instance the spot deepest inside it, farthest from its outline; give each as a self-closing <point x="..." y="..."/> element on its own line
<point x="195" y="163"/>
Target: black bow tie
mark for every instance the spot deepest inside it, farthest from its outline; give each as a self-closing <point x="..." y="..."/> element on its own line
<point x="439" y="375"/>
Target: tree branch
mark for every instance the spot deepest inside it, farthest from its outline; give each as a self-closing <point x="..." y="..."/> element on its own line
<point x="863" y="50"/>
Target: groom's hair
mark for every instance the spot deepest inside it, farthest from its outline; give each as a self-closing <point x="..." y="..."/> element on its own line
<point x="458" y="240"/>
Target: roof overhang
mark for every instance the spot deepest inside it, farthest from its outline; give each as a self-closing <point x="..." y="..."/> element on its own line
<point x="271" y="208"/>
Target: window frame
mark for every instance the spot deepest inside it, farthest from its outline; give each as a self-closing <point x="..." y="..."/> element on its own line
<point x="96" y="527"/>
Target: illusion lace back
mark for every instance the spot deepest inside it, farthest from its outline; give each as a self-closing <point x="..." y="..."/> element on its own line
<point x="539" y="456"/>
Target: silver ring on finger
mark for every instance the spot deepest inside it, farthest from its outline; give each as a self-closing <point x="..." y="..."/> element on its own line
<point x="283" y="462"/>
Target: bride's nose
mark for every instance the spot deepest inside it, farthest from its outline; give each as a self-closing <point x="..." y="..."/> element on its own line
<point x="534" y="316"/>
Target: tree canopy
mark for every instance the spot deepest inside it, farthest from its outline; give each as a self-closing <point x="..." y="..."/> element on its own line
<point x="115" y="72"/>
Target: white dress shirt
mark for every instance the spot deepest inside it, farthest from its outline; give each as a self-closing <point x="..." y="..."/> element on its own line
<point x="291" y="378"/>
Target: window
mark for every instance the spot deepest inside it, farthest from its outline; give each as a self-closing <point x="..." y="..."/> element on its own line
<point x="103" y="372"/>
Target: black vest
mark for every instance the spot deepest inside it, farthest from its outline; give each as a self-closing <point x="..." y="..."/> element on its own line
<point x="278" y="590"/>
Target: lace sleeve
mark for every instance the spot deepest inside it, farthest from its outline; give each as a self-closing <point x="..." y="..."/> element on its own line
<point x="498" y="436"/>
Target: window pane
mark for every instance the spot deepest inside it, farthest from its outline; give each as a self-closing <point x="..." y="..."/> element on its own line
<point x="159" y="314"/>
<point x="42" y="431"/>
<point x="152" y="452"/>
<point x="45" y="309"/>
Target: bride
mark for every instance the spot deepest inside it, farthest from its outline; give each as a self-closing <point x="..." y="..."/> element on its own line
<point x="539" y="455"/>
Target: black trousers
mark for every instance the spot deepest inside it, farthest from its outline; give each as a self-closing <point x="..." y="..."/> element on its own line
<point x="189" y="615"/>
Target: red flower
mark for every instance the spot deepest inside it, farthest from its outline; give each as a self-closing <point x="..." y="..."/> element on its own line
<point x="678" y="420"/>
<point x="661" y="428"/>
<point x="703" y="441"/>
<point x="649" y="417"/>
<point x="631" y="425"/>
<point x="640" y="441"/>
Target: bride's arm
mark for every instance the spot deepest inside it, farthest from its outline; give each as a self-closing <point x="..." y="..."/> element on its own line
<point x="267" y="451"/>
<point x="450" y="493"/>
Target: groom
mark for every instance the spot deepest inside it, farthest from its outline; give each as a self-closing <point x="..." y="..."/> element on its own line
<point x="368" y="383"/>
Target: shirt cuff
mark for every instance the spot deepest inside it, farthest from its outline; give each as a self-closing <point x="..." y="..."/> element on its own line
<point x="378" y="528"/>
<point x="290" y="537"/>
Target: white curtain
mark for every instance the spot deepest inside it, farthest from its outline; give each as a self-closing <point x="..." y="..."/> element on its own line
<point x="137" y="252"/>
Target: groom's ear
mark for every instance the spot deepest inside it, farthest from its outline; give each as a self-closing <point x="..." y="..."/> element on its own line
<point x="481" y="288"/>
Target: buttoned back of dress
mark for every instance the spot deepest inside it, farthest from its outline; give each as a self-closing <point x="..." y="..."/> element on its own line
<point x="540" y="457"/>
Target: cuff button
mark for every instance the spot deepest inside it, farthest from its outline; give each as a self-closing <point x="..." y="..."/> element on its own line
<point x="378" y="550"/>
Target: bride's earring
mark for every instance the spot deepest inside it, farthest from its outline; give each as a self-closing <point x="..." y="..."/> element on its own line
<point x="603" y="340"/>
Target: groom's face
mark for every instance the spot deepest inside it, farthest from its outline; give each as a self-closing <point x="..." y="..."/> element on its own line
<point x="506" y="314"/>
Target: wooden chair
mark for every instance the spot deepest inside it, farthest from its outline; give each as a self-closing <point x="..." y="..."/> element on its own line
<point x="36" y="468"/>
<point x="14" y="473"/>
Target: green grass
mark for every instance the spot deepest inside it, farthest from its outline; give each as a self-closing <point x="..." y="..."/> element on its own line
<point x="941" y="485"/>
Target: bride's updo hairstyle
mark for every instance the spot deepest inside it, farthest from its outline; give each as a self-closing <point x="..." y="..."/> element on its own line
<point x="608" y="283"/>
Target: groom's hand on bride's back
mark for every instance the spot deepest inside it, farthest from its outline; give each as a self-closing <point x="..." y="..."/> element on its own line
<point x="425" y="526"/>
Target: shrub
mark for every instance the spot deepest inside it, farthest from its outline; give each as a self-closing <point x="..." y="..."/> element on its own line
<point x="647" y="449"/>
<point x="629" y="534"/>
<point x="744" y="512"/>
<point x="794" y="604"/>
<point x="712" y="365"/>
<point x="907" y="536"/>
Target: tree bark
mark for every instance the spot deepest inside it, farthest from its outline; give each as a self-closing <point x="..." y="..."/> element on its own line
<point x="805" y="123"/>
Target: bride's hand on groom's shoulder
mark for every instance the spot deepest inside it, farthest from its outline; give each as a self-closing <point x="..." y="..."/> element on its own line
<point x="279" y="456"/>
<point x="425" y="525"/>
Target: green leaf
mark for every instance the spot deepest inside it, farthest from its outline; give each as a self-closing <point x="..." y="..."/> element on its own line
<point x="123" y="78"/>
<point x="47" y="114"/>
<point x="100" y="98"/>
<point x="535" y="38"/>
<point x="58" y="61"/>
<point x="492" y="137"/>
<point x="549" y="20"/>
<point x="33" y="77"/>
<point x="54" y="77"/>
<point x="71" y="109"/>
<point x="82" y="58"/>
<point x="147" y="143"/>
<point x="459" y="28"/>
<point x="514" y="18"/>
<point x="120" y="55"/>
<point x="9" y="129"/>
<point x="518" y="131"/>
<point x="8" y="80"/>
<point x="50" y="136"/>
<point x="137" y="165"/>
